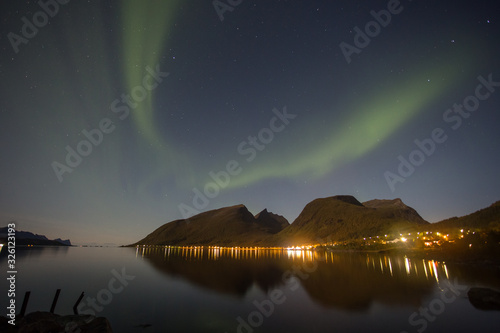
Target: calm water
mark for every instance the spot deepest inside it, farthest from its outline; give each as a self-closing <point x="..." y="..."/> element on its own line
<point x="217" y="290"/>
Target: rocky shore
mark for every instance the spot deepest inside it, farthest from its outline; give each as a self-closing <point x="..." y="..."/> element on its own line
<point x="46" y="322"/>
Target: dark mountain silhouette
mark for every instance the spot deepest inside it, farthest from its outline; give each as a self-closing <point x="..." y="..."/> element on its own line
<point x="63" y="241"/>
<point x="343" y="217"/>
<point x="335" y="218"/>
<point x="395" y="208"/>
<point x="229" y="226"/>
<point x="486" y="218"/>
<point x="272" y="223"/>
<point x="29" y="238"/>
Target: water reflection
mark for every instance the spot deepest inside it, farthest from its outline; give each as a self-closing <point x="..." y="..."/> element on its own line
<point x="207" y="289"/>
<point x="223" y="270"/>
<point x="349" y="281"/>
<point x="36" y="252"/>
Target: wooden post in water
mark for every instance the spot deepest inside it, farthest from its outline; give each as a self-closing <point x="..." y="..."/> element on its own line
<point x="75" y="310"/>
<point x="54" y="302"/>
<point x="25" y="303"/>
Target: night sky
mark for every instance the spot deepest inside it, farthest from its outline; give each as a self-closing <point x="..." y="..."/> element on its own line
<point x="116" y="116"/>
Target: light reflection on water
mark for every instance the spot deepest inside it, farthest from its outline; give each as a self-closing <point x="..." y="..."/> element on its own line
<point x="381" y="263"/>
<point x="348" y="281"/>
<point x="188" y="289"/>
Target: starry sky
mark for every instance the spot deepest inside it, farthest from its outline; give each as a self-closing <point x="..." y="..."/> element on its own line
<point x="119" y="116"/>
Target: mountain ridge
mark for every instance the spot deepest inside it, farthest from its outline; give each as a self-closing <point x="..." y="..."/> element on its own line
<point x="338" y="217"/>
<point x="223" y="226"/>
<point x="486" y="218"/>
<point x="29" y="238"/>
<point x="343" y="217"/>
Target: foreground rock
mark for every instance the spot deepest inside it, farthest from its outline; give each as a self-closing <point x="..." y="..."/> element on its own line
<point x="484" y="298"/>
<point x="46" y="322"/>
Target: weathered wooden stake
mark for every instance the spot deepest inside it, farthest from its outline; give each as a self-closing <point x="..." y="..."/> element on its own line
<point x="25" y="303"/>
<point x="54" y="302"/>
<point x="75" y="310"/>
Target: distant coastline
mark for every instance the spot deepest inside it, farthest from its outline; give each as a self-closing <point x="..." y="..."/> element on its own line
<point x="27" y="239"/>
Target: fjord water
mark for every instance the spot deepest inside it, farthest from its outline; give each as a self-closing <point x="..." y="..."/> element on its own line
<point x="254" y="290"/>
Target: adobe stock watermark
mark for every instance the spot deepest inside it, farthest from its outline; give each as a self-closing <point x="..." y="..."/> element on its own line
<point x="454" y="117"/>
<point x="372" y="29"/>
<point x="266" y="307"/>
<point x="104" y="296"/>
<point x="222" y="6"/>
<point x="249" y="148"/>
<point x="40" y="19"/>
<point x="121" y="107"/>
<point x="420" y="320"/>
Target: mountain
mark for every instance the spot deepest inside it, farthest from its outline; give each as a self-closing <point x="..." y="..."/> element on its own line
<point x="22" y="234"/>
<point x="395" y="208"/>
<point x="335" y="218"/>
<point x="343" y="217"/>
<point x="272" y="223"/>
<point x="229" y="226"/>
<point x="63" y="241"/>
<point x="29" y="238"/>
<point x="486" y="218"/>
